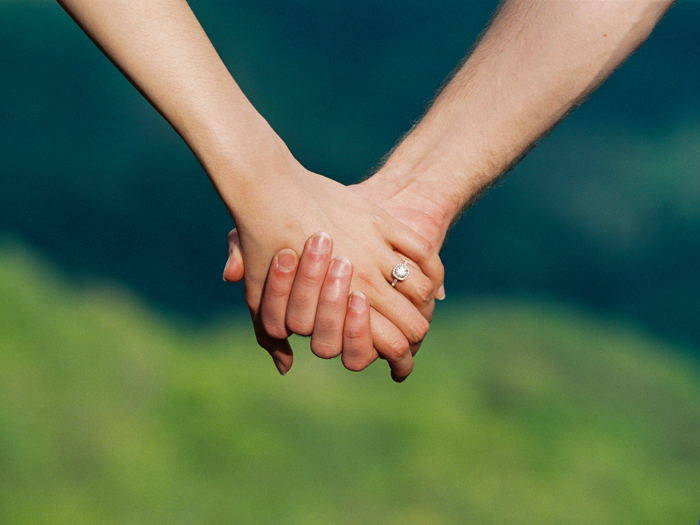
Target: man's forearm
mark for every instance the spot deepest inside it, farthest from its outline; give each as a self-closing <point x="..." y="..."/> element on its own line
<point x="161" y="47"/>
<point x="537" y="60"/>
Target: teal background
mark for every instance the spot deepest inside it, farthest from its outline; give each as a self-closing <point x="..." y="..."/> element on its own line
<point x="603" y="213"/>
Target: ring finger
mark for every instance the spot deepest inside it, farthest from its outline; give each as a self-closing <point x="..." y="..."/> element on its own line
<point x="415" y="286"/>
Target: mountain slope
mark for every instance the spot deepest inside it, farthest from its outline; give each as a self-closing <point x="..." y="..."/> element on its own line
<point x="532" y="413"/>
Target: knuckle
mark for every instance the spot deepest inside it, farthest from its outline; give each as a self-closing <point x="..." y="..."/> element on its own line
<point x="299" y="325"/>
<point x="422" y="330"/>
<point x="396" y="350"/>
<point x="329" y="302"/>
<point x="425" y="290"/>
<point x="277" y="289"/>
<point x="354" y="333"/>
<point x="440" y="271"/>
<point x="418" y="330"/>
<point x="415" y="348"/>
<point x="324" y="349"/>
<point x="424" y="249"/>
<point x="356" y="363"/>
<point x="313" y="268"/>
<point x="378" y="222"/>
<point x="304" y="284"/>
<point x="275" y="328"/>
<point x="325" y="324"/>
<point x="361" y="278"/>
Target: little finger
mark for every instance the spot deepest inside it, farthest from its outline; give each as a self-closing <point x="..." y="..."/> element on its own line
<point x="391" y="345"/>
<point x="358" y="350"/>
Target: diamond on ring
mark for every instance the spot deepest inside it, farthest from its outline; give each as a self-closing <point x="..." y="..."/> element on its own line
<point x="400" y="272"/>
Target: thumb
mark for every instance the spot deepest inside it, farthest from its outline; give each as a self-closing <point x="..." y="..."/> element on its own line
<point x="234" y="269"/>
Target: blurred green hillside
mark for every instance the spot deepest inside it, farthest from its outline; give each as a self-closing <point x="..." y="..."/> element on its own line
<point x="604" y="213"/>
<point x="516" y="413"/>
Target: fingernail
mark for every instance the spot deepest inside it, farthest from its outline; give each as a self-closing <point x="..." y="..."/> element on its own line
<point x="440" y="295"/>
<point x="340" y="267"/>
<point x="357" y="301"/>
<point x="320" y="244"/>
<point x="228" y="261"/>
<point x="280" y="367"/>
<point x="286" y="260"/>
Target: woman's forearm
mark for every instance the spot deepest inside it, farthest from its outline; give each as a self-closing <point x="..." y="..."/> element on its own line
<point x="161" y="47"/>
<point x="537" y="60"/>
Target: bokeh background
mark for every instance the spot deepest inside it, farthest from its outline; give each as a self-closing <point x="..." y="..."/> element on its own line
<point x="560" y="381"/>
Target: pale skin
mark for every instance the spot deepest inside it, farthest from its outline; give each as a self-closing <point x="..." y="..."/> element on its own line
<point x="536" y="62"/>
<point x="274" y="201"/>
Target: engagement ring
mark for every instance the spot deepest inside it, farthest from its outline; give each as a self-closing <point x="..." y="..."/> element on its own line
<point x="400" y="272"/>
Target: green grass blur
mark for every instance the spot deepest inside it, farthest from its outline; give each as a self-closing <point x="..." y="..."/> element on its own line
<point x="516" y="412"/>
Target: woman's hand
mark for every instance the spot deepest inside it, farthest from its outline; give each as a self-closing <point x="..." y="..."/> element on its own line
<point x="341" y="319"/>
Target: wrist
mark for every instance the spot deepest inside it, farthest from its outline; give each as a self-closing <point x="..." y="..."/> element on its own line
<point x="435" y="171"/>
<point x="244" y="162"/>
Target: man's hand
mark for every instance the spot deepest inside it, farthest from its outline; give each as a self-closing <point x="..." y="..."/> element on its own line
<point x="341" y="320"/>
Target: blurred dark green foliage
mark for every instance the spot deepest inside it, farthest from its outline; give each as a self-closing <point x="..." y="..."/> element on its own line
<point x="515" y="413"/>
<point x="604" y="212"/>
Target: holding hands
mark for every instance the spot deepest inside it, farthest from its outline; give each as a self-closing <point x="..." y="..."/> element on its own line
<point x="274" y="202"/>
<point x="536" y="62"/>
<point x="310" y="295"/>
